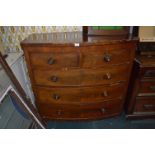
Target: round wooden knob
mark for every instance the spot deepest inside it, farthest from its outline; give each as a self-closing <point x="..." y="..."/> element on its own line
<point x="54" y="78"/>
<point x="51" y="61"/>
<point x="105" y="94"/>
<point x="107" y="76"/>
<point x="107" y="58"/>
<point x="59" y="112"/>
<point x="56" y="97"/>
<point x="103" y="110"/>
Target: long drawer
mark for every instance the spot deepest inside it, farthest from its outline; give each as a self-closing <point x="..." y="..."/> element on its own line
<point x="81" y="77"/>
<point x="86" y="106"/>
<point x="109" y="108"/>
<point x="79" y="94"/>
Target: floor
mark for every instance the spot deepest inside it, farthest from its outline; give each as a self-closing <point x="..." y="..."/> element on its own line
<point x="10" y="118"/>
<point x="119" y="122"/>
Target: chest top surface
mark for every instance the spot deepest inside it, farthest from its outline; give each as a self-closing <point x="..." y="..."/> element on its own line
<point x="71" y="38"/>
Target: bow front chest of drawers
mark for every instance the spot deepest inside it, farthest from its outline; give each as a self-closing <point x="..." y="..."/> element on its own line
<point x="78" y="78"/>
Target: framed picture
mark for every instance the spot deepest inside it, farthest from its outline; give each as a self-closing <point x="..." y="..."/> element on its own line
<point x="106" y="30"/>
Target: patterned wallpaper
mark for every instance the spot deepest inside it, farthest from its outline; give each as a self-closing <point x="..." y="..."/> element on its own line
<point x="11" y="36"/>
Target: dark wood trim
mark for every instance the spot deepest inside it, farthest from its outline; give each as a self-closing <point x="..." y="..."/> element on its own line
<point x="135" y="31"/>
<point x="132" y="89"/>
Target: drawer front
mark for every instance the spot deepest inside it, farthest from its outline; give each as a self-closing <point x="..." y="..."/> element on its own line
<point x="108" y="109"/>
<point x="81" y="77"/>
<point x="100" y="56"/>
<point x="54" y="60"/>
<point x="117" y="103"/>
<point x="145" y="104"/>
<point x="76" y="95"/>
<point x="147" y="88"/>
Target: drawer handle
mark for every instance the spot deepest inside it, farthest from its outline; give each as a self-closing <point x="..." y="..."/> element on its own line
<point x="59" y="112"/>
<point x="107" y="58"/>
<point x="152" y="88"/>
<point x="108" y="76"/>
<point x="105" y="94"/>
<point x="149" y="106"/>
<point x="54" y="78"/>
<point x="103" y="110"/>
<point x="150" y="73"/>
<point x="56" y="97"/>
<point x="51" y="61"/>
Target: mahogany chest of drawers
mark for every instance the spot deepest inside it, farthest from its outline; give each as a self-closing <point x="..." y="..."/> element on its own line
<point x="141" y="93"/>
<point x="78" y="78"/>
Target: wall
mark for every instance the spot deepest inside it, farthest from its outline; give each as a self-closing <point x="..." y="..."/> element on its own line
<point x="147" y="33"/>
<point x="11" y="36"/>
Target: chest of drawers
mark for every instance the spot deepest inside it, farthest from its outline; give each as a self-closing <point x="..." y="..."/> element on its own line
<point x="141" y="94"/>
<point x="76" y="79"/>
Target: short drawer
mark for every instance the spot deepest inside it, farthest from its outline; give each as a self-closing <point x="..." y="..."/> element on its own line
<point x="98" y="56"/>
<point x="145" y="104"/>
<point x="79" y="94"/>
<point x="147" y="88"/>
<point x="81" y="77"/>
<point x="108" y="109"/>
<point x="55" y="58"/>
